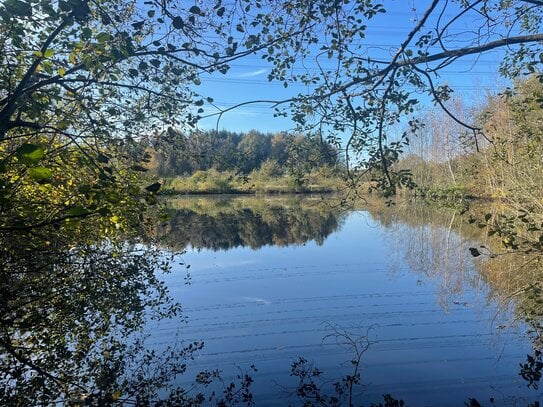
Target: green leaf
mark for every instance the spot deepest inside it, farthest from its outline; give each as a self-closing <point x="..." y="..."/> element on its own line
<point x="40" y="173"/>
<point x="29" y="154"/>
<point x="103" y="37"/>
<point x="80" y="9"/>
<point x="78" y="211"/>
<point x="47" y="67"/>
<point x="64" y="6"/>
<point x="177" y="23"/>
<point x="86" y="33"/>
<point x="195" y="10"/>
<point x="19" y="8"/>
<point x="49" y="53"/>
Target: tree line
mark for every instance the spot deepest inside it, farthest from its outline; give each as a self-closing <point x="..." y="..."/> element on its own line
<point x="505" y="164"/>
<point x="175" y="153"/>
<point x="505" y="167"/>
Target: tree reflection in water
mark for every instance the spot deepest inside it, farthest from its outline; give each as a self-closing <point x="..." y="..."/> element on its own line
<point x="226" y="223"/>
<point x="75" y="312"/>
<point x="74" y="318"/>
<point x="435" y="243"/>
<point x="432" y="242"/>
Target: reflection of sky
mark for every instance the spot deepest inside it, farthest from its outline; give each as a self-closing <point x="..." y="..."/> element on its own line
<point x="268" y="307"/>
<point x="471" y="76"/>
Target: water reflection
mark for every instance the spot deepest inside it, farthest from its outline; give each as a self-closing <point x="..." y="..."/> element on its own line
<point x="72" y="313"/>
<point x="72" y="318"/>
<point x="434" y="244"/>
<point x="76" y="316"/>
<point x="267" y="306"/>
<point x="226" y="223"/>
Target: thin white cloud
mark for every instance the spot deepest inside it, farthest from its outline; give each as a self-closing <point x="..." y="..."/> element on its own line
<point x="253" y="73"/>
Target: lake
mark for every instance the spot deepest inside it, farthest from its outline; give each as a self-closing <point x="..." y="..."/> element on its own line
<point x="275" y="279"/>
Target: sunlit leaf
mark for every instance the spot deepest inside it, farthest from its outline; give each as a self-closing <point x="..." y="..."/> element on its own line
<point x="40" y="173"/>
<point x="29" y="154"/>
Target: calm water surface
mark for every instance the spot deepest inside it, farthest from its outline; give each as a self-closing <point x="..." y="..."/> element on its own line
<point x="268" y="278"/>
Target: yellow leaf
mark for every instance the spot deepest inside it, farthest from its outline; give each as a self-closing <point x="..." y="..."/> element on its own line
<point x="116" y="395"/>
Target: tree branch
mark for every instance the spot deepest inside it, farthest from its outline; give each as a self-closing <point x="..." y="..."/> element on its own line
<point x="536" y="2"/>
<point x="10" y="101"/>
<point x="456" y="53"/>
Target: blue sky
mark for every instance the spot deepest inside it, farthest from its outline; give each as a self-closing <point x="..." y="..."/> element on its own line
<point x="247" y="80"/>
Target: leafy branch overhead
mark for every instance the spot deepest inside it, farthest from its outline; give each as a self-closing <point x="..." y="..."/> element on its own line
<point x="80" y="81"/>
<point x="364" y="91"/>
<point x="100" y="68"/>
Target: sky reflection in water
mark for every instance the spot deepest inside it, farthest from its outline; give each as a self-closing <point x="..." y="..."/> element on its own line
<point x="437" y="337"/>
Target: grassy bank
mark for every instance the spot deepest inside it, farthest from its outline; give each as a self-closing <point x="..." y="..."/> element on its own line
<point x="227" y="182"/>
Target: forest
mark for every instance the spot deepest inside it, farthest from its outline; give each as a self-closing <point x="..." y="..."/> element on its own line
<point x="505" y="165"/>
<point x="100" y="105"/>
<point x="229" y="162"/>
